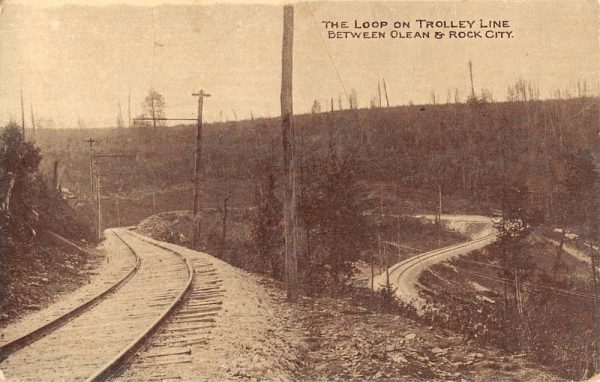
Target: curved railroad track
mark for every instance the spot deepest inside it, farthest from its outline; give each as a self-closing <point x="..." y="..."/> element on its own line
<point x="404" y="275"/>
<point x="403" y="267"/>
<point x="170" y="353"/>
<point x="53" y="324"/>
<point x="96" y="340"/>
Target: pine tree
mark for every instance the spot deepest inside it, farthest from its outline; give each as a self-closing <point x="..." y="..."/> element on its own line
<point x="514" y="226"/>
<point x="268" y="229"/>
<point x="332" y="210"/>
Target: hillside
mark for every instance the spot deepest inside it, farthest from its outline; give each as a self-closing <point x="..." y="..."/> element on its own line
<point x="467" y="149"/>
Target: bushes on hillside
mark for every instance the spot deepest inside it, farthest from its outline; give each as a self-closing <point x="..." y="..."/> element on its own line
<point x="28" y="205"/>
<point x="333" y="213"/>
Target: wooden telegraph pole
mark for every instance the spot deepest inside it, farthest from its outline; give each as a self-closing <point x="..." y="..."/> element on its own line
<point x="287" y="130"/>
<point x="99" y="207"/>
<point x="22" y="115"/>
<point x="471" y="76"/>
<point x="91" y="142"/>
<point x="197" y="166"/>
<point x="387" y="100"/>
<point x="32" y="124"/>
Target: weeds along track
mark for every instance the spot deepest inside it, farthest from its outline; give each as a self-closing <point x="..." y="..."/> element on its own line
<point x="93" y="342"/>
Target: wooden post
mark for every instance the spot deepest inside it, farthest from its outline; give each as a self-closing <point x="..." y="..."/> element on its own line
<point x="154" y="202"/>
<point x="398" y="238"/>
<point x="379" y="92"/>
<point x="387" y="101"/>
<point x="129" y="108"/>
<point x="287" y="130"/>
<point x="381" y="246"/>
<point x="32" y="124"/>
<point x="471" y="76"/>
<point x="118" y="213"/>
<point x="22" y="111"/>
<point x="198" y="167"/>
<point x="99" y="206"/>
<point x="224" y="230"/>
<point x="153" y="114"/>
<point x="332" y="129"/>
<point x="439" y="214"/>
<point x="91" y="142"/>
<point x="55" y="176"/>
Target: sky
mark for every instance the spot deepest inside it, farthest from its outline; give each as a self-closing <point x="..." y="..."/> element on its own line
<point x="81" y="59"/>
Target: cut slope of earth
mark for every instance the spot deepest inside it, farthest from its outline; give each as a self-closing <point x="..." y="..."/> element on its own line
<point x="262" y="336"/>
<point x="36" y="274"/>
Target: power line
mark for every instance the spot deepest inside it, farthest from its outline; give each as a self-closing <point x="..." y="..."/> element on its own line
<point x="327" y="51"/>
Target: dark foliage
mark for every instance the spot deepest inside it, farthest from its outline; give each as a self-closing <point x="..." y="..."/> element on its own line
<point x="267" y="230"/>
<point x="33" y="206"/>
<point x="333" y="210"/>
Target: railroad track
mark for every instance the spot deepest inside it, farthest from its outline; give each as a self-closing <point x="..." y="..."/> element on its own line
<point x="405" y="266"/>
<point x="97" y="339"/>
<point x="166" y="355"/>
<point x="403" y="275"/>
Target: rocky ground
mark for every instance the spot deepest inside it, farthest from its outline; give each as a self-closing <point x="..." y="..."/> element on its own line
<point x="346" y="341"/>
<point x="340" y="338"/>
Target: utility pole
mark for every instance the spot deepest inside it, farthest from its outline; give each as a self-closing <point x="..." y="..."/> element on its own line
<point x="153" y="114"/>
<point x="120" y="117"/>
<point x="55" y="176"/>
<point x="91" y="142"/>
<point x="387" y="101"/>
<point x="99" y="207"/>
<point x="224" y="231"/>
<point x="197" y="166"/>
<point x="22" y="110"/>
<point x="287" y="130"/>
<point x="379" y="92"/>
<point x="439" y="214"/>
<point x="332" y="129"/>
<point x="129" y="108"/>
<point x="398" y="237"/>
<point x="471" y="75"/>
<point x="32" y="124"/>
<point x="381" y="246"/>
<point x="118" y="212"/>
<point x="154" y="202"/>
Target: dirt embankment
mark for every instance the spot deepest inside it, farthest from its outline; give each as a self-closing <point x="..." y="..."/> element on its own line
<point x="346" y="340"/>
<point x="34" y="274"/>
<point x="340" y="338"/>
<point x="555" y="325"/>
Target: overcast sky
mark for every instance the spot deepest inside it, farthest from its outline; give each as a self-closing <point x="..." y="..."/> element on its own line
<point x="79" y="61"/>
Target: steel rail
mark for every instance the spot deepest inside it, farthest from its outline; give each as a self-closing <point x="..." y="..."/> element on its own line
<point x="415" y="260"/>
<point x="121" y="359"/>
<point x="49" y="327"/>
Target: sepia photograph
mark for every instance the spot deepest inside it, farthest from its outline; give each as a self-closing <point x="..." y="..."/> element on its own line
<point x="328" y="190"/>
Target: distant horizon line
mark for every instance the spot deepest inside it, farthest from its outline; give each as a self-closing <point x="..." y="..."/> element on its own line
<point x="466" y="103"/>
